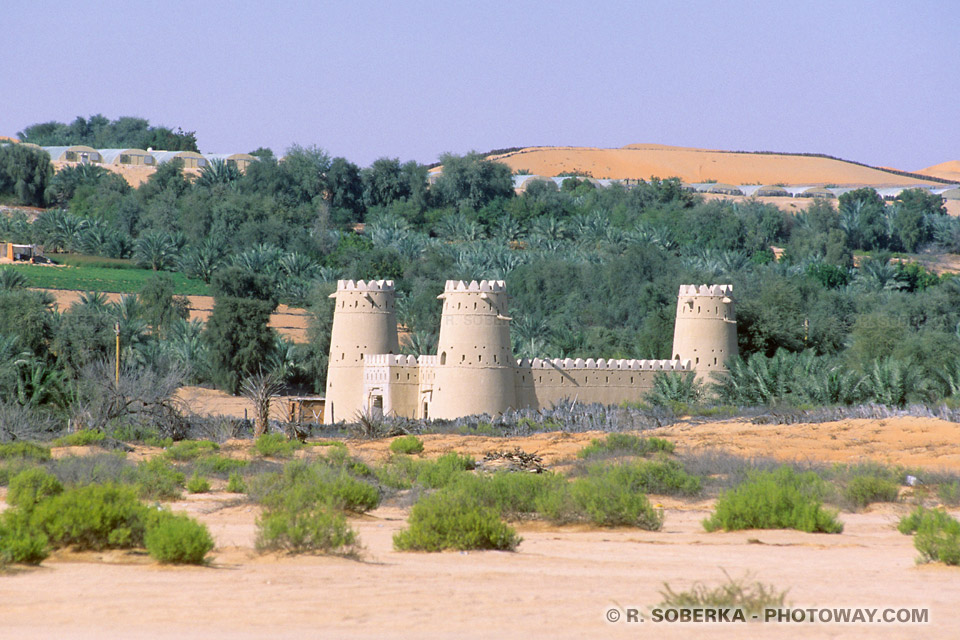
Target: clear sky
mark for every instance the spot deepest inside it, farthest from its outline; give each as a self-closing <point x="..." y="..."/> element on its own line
<point x="875" y="82"/>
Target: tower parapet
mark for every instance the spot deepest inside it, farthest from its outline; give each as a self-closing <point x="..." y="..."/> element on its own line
<point x="364" y="323"/>
<point x="706" y="327"/>
<point x="475" y="369"/>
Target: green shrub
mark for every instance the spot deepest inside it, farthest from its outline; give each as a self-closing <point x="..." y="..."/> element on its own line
<point x="864" y="490"/>
<point x="340" y="457"/>
<point x="407" y="444"/>
<point x="663" y="477"/>
<point x="625" y="444"/>
<point x="197" y="484"/>
<point x="220" y="465"/>
<point x="512" y="495"/>
<point x="276" y="445"/>
<point x="302" y="485"/>
<point x="190" y="449"/>
<point x="317" y="528"/>
<point x="434" y="474"/>
<point x="158" y="480"/>
<point x="910" y="523"/>
<point x="9" y="470"/>
<point x="607" y="499"/>
<point x="24" y="451"/>
<point x="236" y="484"/>
<point x="177" y="539"/>
<point x="937" y="535"/>
<point x="155" y="441"/>
<point x="20" y="540"/>
<point x="949" y="493"/>
<point x="779" y="499"/>
<point x="31" y="486"/>
<point x="82" y="438"/>
<point x="93" y="517"/>
<point x="452" y="520"/>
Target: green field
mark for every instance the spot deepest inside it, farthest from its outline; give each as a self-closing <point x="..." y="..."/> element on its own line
<point x="108" y="279"/>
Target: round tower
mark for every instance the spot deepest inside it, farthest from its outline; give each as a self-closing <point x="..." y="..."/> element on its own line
<point x="475" y="367"/>
<point x="706" y="328"/>
<point x="364" y="322"/>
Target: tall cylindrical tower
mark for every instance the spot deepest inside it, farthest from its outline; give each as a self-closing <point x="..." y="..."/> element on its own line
<point x="706" y="328"/>
<point x="364" y="322"/>
<point x="475" y="366"/>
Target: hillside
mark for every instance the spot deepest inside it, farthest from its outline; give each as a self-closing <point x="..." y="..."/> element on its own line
<point x="699" y="165"/>
<point x="947" y="170"/>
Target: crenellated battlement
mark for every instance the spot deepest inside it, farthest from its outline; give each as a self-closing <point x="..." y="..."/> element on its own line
<point x="716" y="290"/>
<point x="607" y="365"/>
<point x="389" y="360"/>
<point x="428" y="361"/>
<point x="369" y="285"/>
<point x="459" y="286"/>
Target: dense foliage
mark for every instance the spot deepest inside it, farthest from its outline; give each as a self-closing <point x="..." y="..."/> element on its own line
<point x="593" y="272"/>
<point x="100" y="132"/>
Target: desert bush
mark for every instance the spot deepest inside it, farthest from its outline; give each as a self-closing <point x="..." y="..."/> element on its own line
<point x="302" y="485"/>
<point x="434" y="474"/>
<point x="217" y="465"/>
<point x="177" y="539"/>
<point x="9" y="470"/>
<point x="779" y="499"/>
<point x="317" y="528"/>
<point x="865" y="490"/>
<point x="512" y="495"/>
<point x="937" y="535"/>
<point x="93" y="517"/>
<point x="607" y="499"/>
<point x="186" y="450"/>
<point x="31" y="486"/>
<point x="94" y="468"/>
<point x="949" y="493"/>
<point x="20" y="540"/>
<point x="157" y="479"/>
<point x="276" y="445"/>
<point x="236" y="484"/>
<point x="407" y="444"/>
<point x="198" y="484"/>
<point x="625" y="444"/>
<point x="24" y="451"/>
<point x="663" y="477"/>
<point x="81" y="438"/>
<point x="751" y="597"/>
<point x="452" y="520"/>
<point x="340" y="458"/>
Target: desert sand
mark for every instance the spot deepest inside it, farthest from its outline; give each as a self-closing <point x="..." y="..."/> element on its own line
<point x="289" y="322"/>
<point x="949" y="170"/>
<point x="697" y="165"/>
<point x="559" y="583"/>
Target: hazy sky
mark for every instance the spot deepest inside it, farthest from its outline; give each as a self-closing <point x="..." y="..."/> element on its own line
<point x="875" y="82"/>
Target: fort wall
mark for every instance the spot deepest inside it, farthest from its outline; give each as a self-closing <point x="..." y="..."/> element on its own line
<point x="474" y="371"/>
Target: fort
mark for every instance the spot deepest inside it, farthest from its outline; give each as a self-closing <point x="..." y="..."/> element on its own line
<point x="475" y="372"/>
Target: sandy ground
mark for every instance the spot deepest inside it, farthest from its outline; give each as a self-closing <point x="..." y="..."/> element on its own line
<point x="290" y="322"/>
<point x="558" y="584"/>
<point x="696" y="165"/>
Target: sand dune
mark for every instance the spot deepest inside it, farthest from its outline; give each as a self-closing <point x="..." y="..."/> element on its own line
<point x="697" y="165"/>
<point x="947" y="170"/>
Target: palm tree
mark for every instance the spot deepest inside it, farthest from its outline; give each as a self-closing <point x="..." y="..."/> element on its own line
<point x="218" y="172"/>
<point x="202" y="260"/>
<point x="11" y="279"/>
<point x="157" y="250"/>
